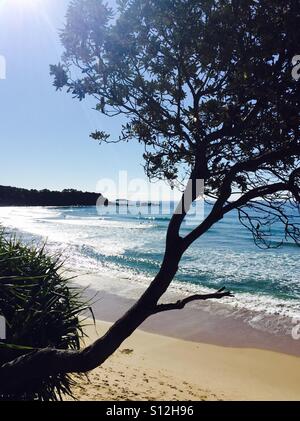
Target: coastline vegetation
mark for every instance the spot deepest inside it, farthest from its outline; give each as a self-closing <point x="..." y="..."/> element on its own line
<point x="14" y="196"/>
<point x="41" y="308"/>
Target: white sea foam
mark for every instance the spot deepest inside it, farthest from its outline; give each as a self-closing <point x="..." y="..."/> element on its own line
<point x="127" y="259"/>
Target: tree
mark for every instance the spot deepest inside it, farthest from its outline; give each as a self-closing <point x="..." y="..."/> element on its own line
<point x="206" y="87"/>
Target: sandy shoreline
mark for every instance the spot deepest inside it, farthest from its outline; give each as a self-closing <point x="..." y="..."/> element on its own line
<point x="192" y="354"/>
<point x="155" y="367"/>
<point x="204" y="322"/>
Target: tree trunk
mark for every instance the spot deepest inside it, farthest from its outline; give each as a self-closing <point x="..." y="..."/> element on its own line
<point x="20" y="373"/>
<point x="139" y="312"/>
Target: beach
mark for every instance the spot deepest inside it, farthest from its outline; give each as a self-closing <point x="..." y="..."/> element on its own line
<point x="189" y="355"/>
<point x="124" y="252"/>
<point x="238" y="348"/>
<point x="154" y="367"/>
<point x="152" y="204"/>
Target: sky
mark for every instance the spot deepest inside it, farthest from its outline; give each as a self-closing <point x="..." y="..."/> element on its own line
<point x="44" y="134"/>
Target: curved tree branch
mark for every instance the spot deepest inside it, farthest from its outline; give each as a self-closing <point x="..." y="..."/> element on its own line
<point x="179" y="305"/>
<point x="45" y="362"/>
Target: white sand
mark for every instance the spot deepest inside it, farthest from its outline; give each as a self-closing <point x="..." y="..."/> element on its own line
<point x="155" y="367"/>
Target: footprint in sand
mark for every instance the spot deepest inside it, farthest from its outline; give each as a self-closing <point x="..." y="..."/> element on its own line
<point x="126" y="351"/>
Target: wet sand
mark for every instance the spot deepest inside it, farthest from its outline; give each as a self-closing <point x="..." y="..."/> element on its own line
<point x="155" y="367"/>
<point x="206" y="322"/>
<point x="202" y="352"/>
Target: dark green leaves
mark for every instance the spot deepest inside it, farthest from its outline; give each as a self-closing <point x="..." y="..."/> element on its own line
<point x="41" y="308"/>
<point x="200" y="83"/>
<point x="60" y="75"/>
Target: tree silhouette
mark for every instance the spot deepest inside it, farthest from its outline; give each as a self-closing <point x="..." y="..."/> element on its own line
<point x="13" y="196"/>
<point x="207" y="88"/>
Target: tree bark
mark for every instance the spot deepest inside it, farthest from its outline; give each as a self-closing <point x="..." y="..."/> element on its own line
<point x="21" y="372"/>
<point x="27" y="368"/>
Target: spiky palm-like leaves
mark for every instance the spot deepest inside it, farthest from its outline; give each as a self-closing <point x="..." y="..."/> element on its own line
<point x="41" y="308"/>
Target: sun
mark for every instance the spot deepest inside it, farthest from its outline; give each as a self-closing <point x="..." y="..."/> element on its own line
<point x="28" y="2"/>
<point x="23" y="4"/>
<point x="20" y="12"/>
<point x="23" y="7"/>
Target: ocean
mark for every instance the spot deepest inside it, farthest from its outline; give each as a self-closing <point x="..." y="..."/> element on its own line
<point x="126" y="249"/>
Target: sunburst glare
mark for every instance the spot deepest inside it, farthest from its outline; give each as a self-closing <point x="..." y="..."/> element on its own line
<point x="21" y="5"/>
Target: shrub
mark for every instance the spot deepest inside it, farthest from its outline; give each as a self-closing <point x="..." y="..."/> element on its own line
<point x="41" y="308"/>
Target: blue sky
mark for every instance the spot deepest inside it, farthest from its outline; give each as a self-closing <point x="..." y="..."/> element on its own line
<point x="45" y="134"/>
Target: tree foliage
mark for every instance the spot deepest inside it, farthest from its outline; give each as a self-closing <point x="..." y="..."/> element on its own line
<point x="205" y="86"/>
<point x="14" y="196"/>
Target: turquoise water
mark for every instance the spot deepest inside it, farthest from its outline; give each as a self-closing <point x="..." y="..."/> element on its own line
<point x="130" y="247"/>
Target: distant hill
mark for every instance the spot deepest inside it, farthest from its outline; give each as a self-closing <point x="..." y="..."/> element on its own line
<point x="14" y="196"/>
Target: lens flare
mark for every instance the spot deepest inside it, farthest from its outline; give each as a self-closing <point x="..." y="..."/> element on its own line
<point x="21" y="4"/>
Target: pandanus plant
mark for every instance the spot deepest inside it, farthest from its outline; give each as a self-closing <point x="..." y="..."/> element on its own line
<point x="41" y="308"/>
